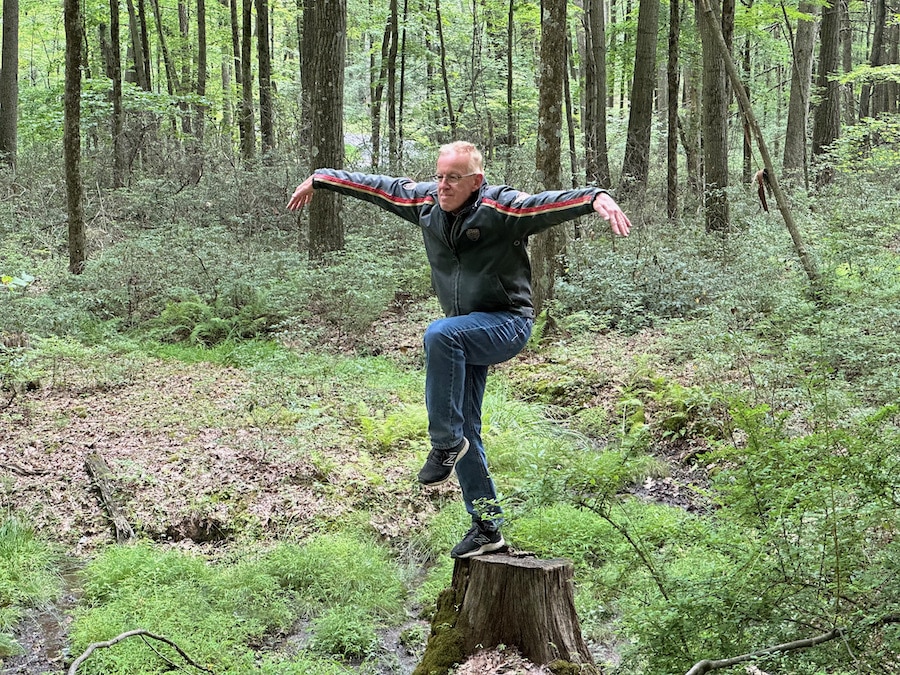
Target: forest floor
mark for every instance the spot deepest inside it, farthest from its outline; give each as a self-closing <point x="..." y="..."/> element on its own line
<point x="178" y="437"/>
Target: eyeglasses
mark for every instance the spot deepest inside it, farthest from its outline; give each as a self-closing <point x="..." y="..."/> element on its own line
<point x="451" y="178"/>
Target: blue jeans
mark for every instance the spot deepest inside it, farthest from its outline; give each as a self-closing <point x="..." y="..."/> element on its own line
<point x="458" y="351"/>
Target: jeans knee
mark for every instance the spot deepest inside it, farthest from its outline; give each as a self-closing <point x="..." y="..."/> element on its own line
<point x="437" y="334"/>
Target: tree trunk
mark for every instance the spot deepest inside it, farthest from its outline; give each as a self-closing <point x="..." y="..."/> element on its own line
<point x="636" y="164"/>
<point x="141" y="74"/>
<point x="866" y="109"/>
<point x="72" y="136"/>
<point x="377" y="92"/>
<point x="266" y="106"/>
<point x="184" y="52"/>
<point x="547" y="245"/>
<point x="115" y="73"/>
<point x="672" y="85"/>
<point x="747" y="165"/>
<point x="145" y="42"/>
<point x="9" y="83"/>
<point x="798" y="106"/>
<point x="612" y="78"/>
<point x="596" y="156"/>
<point x="402" y="93"/>
<point x="202" y="68"/>
<point x="508" y="600"/>
<point x="306" y="32"/>
<point x="236" y="41"/>
<point x="248" y="133"/>
<point x="326" y="228"/>
<point x="393" y="25"/>
<point x="227" y="58"/>
<point x="570" y="119"/>
<point x="893" y="88"/>
<point x="445" y="76"/>
<point x="715" y="130"/>
<point x="172" y="85"/>
<point x="847" y="91"/>
<point x="689" y="124"/>
<point x="511" y="136"/>
<point x="827" y="115"/>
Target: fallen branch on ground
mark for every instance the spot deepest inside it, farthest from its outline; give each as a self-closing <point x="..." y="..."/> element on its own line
<point x="102" y="477"/>
<point x="132" y="633"/>
<point x="707" y="665"/>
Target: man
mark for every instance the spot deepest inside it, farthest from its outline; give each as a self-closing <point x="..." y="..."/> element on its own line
<point x="475" y="238"/>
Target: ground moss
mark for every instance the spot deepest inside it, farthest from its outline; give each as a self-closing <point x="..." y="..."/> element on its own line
<point x="445" y="644"/>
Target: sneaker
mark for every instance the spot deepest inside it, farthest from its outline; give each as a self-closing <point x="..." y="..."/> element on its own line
<point x="440" y="464"/>
<point x="478" y="540"/>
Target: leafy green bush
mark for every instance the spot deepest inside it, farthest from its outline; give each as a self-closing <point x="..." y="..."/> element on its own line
<point x="792" y="546"/>
<point x="65" y="363"/>
<point x="199" y="323"/>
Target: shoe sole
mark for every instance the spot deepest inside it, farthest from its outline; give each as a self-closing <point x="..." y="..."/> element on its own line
<point x="481" y="550"/>
<point x="462" y="453"/>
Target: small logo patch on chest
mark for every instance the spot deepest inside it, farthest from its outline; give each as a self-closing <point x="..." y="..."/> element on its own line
<point x="473" y="233"/>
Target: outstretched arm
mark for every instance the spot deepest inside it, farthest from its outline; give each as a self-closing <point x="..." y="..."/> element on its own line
<point x="607" y="208"/>
<point x="302" y="195"/>
<point x="400" y="196"/>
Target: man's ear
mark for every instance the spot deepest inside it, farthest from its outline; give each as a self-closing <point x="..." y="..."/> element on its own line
<point x="480" y="181"/>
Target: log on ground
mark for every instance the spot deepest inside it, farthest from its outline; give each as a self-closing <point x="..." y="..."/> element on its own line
<point x="102" y="477"/>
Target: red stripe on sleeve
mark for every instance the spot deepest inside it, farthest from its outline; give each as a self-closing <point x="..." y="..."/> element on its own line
<point x="376" y="192"/>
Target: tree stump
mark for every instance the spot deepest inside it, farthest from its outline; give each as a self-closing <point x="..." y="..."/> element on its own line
<point x="506" y="599"/>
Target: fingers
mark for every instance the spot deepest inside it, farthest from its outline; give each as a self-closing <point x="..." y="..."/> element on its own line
<point x="302" y="195"/>
<point x="606" y="208"/>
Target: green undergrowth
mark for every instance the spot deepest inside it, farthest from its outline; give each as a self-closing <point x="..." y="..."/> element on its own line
<point x="28" y="577"/>
<point x="344" y="586"/>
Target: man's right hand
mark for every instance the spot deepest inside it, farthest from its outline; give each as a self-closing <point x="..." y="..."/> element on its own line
<point x="302" y="195"/>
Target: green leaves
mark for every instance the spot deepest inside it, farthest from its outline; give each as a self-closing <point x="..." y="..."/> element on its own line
<point x="18" y="283"/>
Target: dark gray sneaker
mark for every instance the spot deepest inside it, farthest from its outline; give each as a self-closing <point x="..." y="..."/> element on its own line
<point x="478" y="540"/>
<point x="440" y="464"/>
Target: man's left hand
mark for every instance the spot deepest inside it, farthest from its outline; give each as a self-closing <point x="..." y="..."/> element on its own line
<point x="607" y="208"/>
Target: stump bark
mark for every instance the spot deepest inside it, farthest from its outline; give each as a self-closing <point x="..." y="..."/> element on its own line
<point x="510" y="600"/>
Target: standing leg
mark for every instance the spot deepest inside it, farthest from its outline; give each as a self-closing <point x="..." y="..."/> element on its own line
<point x="478" y="489"/>
<point x="458" y="351"/>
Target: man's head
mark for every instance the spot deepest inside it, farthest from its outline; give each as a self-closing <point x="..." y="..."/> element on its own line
<point x="459" y="174"/>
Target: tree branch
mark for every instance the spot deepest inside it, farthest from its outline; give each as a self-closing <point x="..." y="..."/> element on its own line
<point x="707" y="665"/>
<point x="132" y="633"/>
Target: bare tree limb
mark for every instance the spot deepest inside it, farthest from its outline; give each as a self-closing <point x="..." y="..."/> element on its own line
<point x="707" y="665"/>
<point x="132" y="633"/>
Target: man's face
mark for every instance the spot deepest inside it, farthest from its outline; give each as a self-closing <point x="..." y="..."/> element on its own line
<point x="452" y="195"/>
